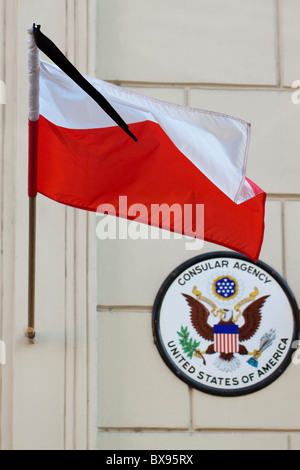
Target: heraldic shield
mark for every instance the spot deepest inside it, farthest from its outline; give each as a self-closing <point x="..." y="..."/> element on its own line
<point x="226" y="339"/>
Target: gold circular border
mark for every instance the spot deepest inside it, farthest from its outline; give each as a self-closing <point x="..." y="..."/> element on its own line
<point x="214" y="287"/>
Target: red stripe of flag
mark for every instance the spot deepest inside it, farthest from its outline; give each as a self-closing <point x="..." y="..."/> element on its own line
<point x="87" y="168"/>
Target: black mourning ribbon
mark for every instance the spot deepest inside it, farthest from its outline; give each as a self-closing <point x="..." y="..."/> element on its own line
<point x="59" y="59"/>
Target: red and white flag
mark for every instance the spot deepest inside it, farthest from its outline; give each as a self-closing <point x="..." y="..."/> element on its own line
<point x="183" y="156"/>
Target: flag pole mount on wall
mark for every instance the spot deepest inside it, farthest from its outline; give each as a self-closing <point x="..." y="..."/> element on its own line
<point x="33" y="123"/>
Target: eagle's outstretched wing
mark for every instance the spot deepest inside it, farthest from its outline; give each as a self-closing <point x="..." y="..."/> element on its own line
<point x="199" y="316"/>
<point x="252" y="316"/>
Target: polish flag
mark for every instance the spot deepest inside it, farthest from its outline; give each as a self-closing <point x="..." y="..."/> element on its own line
<point x="183" y="156"/>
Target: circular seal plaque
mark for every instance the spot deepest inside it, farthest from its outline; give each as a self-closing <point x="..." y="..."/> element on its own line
<point x="225" y="325"/>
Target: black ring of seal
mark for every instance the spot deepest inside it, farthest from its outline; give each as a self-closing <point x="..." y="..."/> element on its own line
<point x="188" y="380"/>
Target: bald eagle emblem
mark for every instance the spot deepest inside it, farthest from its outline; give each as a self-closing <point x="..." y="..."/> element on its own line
<point x="230" y="326"/>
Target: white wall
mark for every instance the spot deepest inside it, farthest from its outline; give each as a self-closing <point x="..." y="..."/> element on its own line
<point x="239" y="57"/>
<point x="236" y="56"/>
<point x="46" y="399"/>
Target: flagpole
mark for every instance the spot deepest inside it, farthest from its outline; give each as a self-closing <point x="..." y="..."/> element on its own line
<point x="33" y="122"/>
<point x="30" y="332"/>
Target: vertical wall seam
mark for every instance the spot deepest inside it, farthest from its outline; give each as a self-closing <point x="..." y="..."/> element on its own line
<point x="283" y="225"/>
<point x="9" y="194"/>
<point x="70" y="254"/>
<point x="2" y="122"/>
<point x="66" y="296"/>
<point x="191" y="409"/>
<point x="87" y="257"/>
<point x="279" y="43"/>
<point x="65" y="338"/>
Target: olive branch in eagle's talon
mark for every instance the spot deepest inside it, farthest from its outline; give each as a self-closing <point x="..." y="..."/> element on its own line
<point x="189" y="346"/>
